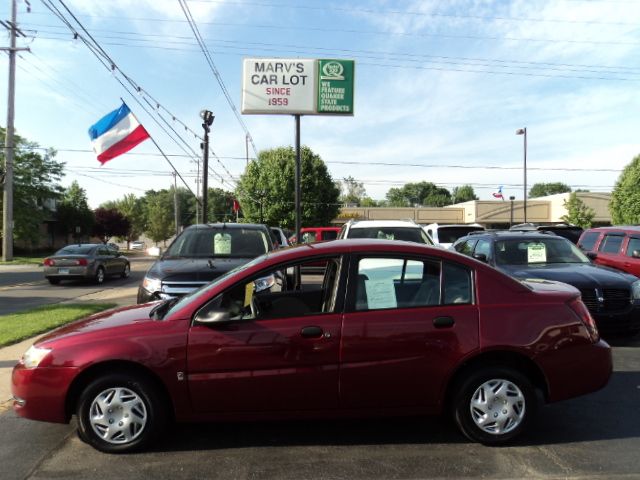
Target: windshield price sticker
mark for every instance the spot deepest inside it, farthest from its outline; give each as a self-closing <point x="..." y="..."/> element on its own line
<point x="536" y="253"/>
<point x="222" y="244"/>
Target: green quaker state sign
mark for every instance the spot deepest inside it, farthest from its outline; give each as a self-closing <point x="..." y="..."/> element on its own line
<point x="335" y="86"/>
<point x="297" y="86"/>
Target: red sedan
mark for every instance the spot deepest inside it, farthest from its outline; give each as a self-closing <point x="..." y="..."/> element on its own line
<point x="390" y="328"/>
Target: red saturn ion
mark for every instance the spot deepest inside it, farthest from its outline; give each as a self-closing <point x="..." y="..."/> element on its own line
<point x="389" y="328"/>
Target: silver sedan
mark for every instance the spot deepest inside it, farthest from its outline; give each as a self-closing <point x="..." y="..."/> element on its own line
<point x="87" y="261"/>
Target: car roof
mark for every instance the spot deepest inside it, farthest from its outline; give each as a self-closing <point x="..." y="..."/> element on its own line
<point x="512" y="234"/>
<point x="625" y="228"/>
<point x="455" y="225"/>
<point x="385" y="223"/>
<point x="227" y="225"/>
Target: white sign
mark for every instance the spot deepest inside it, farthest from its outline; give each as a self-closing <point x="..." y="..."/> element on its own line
<point x="279" y="85"/>
<point x="380" y="294"/>
<point x="536" y="253"/>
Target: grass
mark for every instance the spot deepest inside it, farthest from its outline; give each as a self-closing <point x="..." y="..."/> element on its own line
<point x="16" y="327"/>
<point x="24" y="261"/>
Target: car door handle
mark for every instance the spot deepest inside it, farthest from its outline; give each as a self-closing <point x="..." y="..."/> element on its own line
<point x="311" y="332"/>
<point x="443" y="322"/>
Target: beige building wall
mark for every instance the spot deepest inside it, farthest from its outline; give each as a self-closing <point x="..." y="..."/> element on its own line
<point x="548" y="209"/>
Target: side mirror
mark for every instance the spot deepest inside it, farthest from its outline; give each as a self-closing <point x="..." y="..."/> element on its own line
<point x="636" y="254"/>
<point x="591" y="255"/>
<point x="480" y="256"/>
<point x="213" y="317"/>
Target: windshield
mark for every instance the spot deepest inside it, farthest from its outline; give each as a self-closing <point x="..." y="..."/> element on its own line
<point x="76" y="250"/>
<point x="451" y="234"/>
<point x="537" y="250"/>
<point x="207" y="242"/>
<point x="391" y="233"/>
<point x="162" y="310"/>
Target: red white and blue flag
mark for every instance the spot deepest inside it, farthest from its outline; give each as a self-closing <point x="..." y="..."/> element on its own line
<point x="498" y="194"/>
<point x="116" y="133"/>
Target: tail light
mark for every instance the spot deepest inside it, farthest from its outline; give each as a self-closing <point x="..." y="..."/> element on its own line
<point x="48" y="262"/>
<point x="82" y="262"/>
<point x="583" y="314"/>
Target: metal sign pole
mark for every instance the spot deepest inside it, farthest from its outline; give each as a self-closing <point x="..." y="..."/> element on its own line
<point x="298" y="200"/>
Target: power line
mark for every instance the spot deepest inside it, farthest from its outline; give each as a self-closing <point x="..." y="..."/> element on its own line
<point x="214" y="69"/>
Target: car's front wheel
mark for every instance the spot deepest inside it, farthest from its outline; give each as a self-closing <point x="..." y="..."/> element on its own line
<point x="127" y="271"/>
<point x="120" y="413"/>
<point x="492" y="405"/>
<point x="99" y="277"/>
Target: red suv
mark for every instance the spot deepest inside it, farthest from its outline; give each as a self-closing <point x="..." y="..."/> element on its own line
<point x="617" y="247"/>
<point x="316" y="234"/>
<point x="391" y="327"/>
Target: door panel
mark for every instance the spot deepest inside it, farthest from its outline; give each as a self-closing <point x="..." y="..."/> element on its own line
<point x="264" y="365"/>
<point x="398" y="358"/>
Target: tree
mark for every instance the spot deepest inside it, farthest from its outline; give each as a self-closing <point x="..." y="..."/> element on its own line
<point x="268" y="182"/>
<point x="73" y="212"/>
<point x="544" y="189"/>
<point x="352" y="191"/>
<point x="220" y="205"/>
<point x="577" y="212"/>
<point x="36" y="184"/>
<point x="418" y="194"/>
<point x="110" y="223"/>
<point x="625" y="198"/>
<point x="464" y="193"/>
<point x="160" y="220"/>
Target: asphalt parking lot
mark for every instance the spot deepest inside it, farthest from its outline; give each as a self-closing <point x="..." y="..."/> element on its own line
<point x="596" y="436"/>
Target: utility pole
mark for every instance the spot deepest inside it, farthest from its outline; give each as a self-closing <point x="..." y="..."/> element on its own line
<point x="246" y="147"/>
<point x="9" y="150"/>
<point x="207" y="120"/>
<point x="175" y="203"/>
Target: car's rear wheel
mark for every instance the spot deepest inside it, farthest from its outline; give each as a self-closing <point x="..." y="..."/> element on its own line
<point x="492" y="405"/>
<point x="127" y="271"/>
<point x="120" y="413"/>
<point x="99" y="277"/>
<point x="53" y="281"/>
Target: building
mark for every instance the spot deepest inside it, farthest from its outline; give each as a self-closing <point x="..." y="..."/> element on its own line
<point x="489" y="213"/>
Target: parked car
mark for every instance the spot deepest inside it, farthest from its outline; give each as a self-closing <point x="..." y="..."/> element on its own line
<point x="315" y="234"/>
<point x="137" y="245"/>
<point x="445" y="235"/>
<point x="566" y="230"/>
<point x="617" y="247"/>
<point x="415" y="330"/>
<point x="612" y="296"/>
<point x="406" y="230"/>
<point x="85" y="261"/>
<point x="201" y="253"/>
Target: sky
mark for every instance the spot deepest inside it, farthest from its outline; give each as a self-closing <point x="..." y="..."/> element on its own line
<point x="440" y="89"/>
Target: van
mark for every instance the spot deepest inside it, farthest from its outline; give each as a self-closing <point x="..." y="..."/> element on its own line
<point x="617" y="247"/>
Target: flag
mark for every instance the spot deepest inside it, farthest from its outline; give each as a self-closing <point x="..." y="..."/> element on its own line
<point x="236" y="206"/>
<point x="498" y="194"/>
<point x="116" y="133"/>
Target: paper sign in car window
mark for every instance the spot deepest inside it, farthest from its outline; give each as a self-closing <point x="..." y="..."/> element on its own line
<point x="222" y="244"/>
<point x="536" y="253"/>
<point x="380" y="294"/>
<point x="248" y="293"/>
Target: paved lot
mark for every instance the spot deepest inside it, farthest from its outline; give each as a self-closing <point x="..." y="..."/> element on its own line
<point x="597" y="436"/>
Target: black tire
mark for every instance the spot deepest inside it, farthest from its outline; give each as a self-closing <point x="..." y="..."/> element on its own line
<point x="53" y="281"/>
<point x="126" y="272"/>
<point x="512" y="419"/>
<point x="100" y="276"/>
<point x="137" y="408"/>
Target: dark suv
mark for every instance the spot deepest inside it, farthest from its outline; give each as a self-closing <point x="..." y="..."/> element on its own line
<point x="200" y="254"/>
<point x="612" y="297"/>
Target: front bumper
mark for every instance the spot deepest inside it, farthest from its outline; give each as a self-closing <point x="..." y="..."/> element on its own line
<point x="40" y="393"/>
<point x="618" y="322"/>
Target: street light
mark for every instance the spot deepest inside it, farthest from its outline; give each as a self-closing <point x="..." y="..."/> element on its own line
<point x="523" y="131"/>
<point x="207" y="119"/>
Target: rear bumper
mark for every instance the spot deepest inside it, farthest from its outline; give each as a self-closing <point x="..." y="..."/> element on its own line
<point x="576" y="371"/>
<point x="40" y="393"/>
<point x="73" y="272"/>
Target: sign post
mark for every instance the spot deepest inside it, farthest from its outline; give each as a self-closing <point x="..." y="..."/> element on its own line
<point x="297" y="87"/>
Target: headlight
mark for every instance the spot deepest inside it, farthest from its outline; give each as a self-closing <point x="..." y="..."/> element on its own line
<point x="152" y="284"/>
<point x="635" y="290"/>
<point x="33" y="356"/>
<point x="264" y="283"/>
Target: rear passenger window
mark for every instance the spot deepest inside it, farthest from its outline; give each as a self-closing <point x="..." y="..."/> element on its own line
<point x="456" y="283"/>
<point x="385" y="283"/>
<point x="483" y="247"/>
<point x="634" y="244"/>
<point x="611" y="243"/>
<point x="589" y="241"/>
